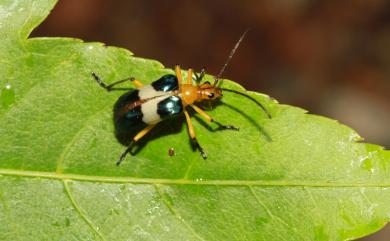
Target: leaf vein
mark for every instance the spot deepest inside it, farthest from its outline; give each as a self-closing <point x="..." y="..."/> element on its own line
<point x="268" y="210"/>
<point x="273" y="215"/>
<point x="175" y="214"/>
<point x="79" y="210"/>
<point x="76" y="137"/>
<point x="189" y="168"/>
<point x="210" y="182"/>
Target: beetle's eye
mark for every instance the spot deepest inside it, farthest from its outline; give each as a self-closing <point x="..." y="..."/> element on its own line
<point x="211" y="95"/>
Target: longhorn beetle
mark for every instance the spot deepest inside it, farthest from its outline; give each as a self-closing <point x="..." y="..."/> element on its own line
<point x="139" y="110"/>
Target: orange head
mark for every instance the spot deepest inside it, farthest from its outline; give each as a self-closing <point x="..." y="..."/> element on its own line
<point x="209" y="92"/>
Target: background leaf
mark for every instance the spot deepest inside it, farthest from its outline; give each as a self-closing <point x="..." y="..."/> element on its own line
<point x="295" y="177"/>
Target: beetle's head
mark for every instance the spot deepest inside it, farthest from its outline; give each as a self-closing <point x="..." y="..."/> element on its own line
<point x="209" y="92"/>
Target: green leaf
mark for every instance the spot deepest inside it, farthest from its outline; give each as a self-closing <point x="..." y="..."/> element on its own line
<point x="293" y="177"/>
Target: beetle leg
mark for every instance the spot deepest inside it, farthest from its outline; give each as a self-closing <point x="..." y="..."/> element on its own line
<point x="110" y="87"/>
<point x="189" y="76"/>
<point x="192" y="135"/>
<point x="198" y="78"/>
<point x="178" y="74"/>
<point x="210" y="119"/>
<point x="132" y="143"/>
<point x="138" y="84"/>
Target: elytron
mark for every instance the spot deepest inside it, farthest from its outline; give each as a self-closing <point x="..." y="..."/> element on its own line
<point x="139" y="110"/>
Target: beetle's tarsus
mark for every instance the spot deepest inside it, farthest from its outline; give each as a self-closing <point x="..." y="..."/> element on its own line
<point x="124" y="154"/>
<point x="202" y="152"/>
<point x="98" y="80"/>
<point x="111" y="87"/>
<point x="199" y="77"/>
<point x="121" y="158"/>
<point x="226" y="127"/>
<point x="229" y="127"/>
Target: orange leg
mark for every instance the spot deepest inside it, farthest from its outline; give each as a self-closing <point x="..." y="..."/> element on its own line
<point x="202" y="113"/>
<point x="137" y="83"/>
<point x="178" y="74"/>
<point x="210" y="119"/>
<point x="135" y="139"/>
<point x="189" y="76"/>
<point x="143" y="133"/>
<point x="192" y="135"/>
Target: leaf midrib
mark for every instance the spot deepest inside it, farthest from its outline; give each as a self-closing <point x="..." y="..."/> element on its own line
<point x="135" y="180"/>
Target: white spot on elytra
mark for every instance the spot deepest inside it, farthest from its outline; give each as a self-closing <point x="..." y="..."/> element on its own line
<point x="170" y="105"/>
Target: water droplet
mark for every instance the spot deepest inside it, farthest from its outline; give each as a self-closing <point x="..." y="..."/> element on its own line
<point x="7" y="95"/>
<point x="199" y="179"/>
<point x="90" y="47"/>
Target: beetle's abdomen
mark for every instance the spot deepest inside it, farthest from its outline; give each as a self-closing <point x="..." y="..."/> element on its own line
<point x="128" y="118"/>
<point x="148" y="105"/>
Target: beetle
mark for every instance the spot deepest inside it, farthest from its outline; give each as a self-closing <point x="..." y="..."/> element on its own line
<point x="171" y="151"/>
<point x="139" y="110"/>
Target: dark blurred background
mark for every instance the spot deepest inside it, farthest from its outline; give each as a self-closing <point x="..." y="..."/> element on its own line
<point x="330" y="57"/>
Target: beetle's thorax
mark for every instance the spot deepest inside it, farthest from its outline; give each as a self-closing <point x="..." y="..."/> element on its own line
<point x="191" y="93"/>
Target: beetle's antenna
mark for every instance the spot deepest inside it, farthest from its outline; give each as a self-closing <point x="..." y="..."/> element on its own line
<point x="251" y="98"/>
<point x="216" y="79"/>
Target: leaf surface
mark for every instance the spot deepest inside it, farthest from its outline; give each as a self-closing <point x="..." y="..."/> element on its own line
<point x="293" y="177"/>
